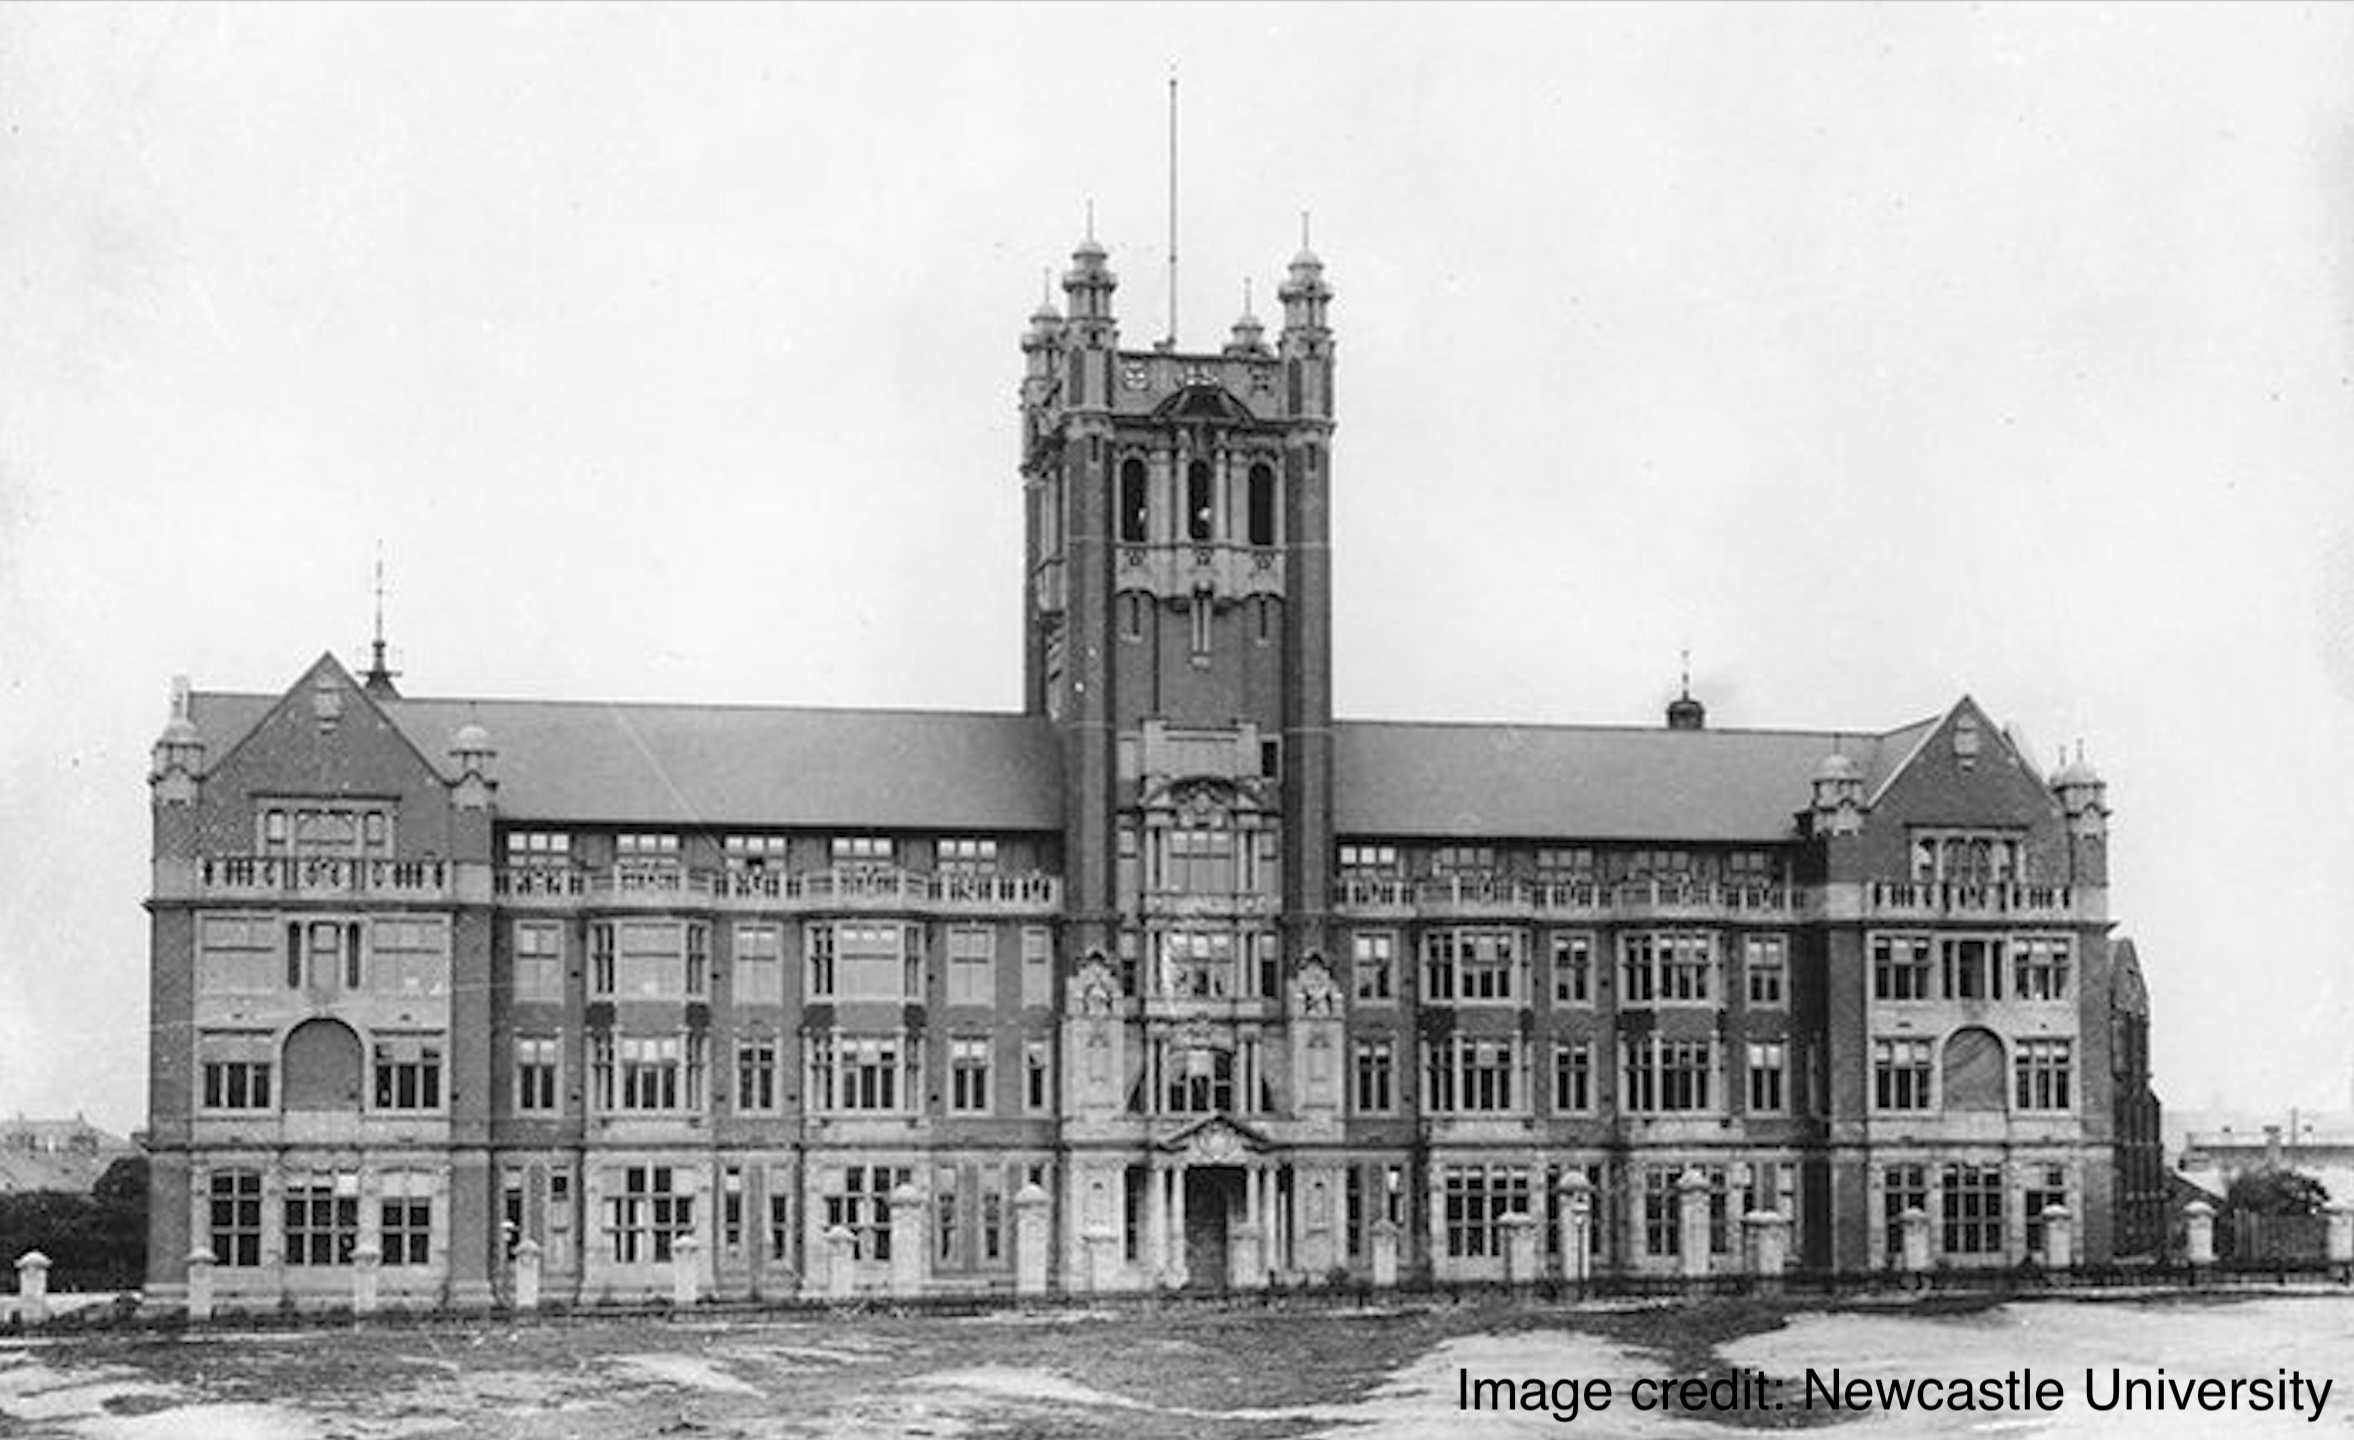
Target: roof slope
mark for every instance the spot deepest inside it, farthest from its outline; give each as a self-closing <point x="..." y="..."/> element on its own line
<point x="663" y="764"/>
<point x="1583" y="782"/>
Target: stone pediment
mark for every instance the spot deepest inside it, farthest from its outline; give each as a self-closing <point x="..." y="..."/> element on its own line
<point x="1215" y="1140"/>
<point x="1205" y="401"/>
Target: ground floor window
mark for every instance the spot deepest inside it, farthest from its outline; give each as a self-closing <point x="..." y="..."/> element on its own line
<point x="1477" y="1198"/>
<point x="862" y="1205"/>
<point x="322" y="1213"/>
<point x="234" y="1209"/>
<point x="646" y="1216"/>
<point x="1973" y="1210"/>
<point x="1902" y="1188"/>
<point x="2047" y="1185"/>
<point x="405" y="1221"/>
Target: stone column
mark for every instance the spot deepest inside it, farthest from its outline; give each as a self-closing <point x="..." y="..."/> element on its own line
<point x="908" y="1251"/>
<point x="2341" y="1233"/>
<point x="1916" y="1241"/>
<point x="1102" y="1244"/>
<point x="32" y="1287"/>
<point x="1030" y="1240"/>
<point x="1271" y="1253"/>
<point x="527" y="1268"/>
<point x="686" y="1280"/>
<point x="1768" y="1245"/>
<point x="1520" y="1247"/>
<point x="200" y="1284"/>
<point x="2059" y="1240"/>
<point x="1156" y="1228"/>
<point x="1577" y="1227"/>
<point x="1692" y="1223"/>
<point x="2199" y="1233"/>
<point x="1385" y="1253"/>
<point x="841" y="1263"/>
<point x="1174" y="1262"/>
<point x="367" y="1274"/>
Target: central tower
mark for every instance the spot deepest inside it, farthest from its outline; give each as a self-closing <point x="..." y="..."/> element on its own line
<point x="1178" y="632"/>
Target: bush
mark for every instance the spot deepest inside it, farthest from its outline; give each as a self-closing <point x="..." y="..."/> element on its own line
<point x="96" y="1241"/>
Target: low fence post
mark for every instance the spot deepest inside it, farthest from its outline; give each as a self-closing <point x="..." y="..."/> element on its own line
<point x="32" y="1287"/>
<point x="2198" y="1219"/>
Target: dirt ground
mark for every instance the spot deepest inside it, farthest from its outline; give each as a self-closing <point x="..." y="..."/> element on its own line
<point x="1238" y="1374"/>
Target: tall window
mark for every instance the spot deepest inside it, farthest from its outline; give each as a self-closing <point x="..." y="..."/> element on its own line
<point x="1469" y="1076"/>
<point x="646" y="1214"/>
<point x="1900" y="1074"/>
<point x="1902" y="1188"/>
<point x="1373" y="966"/>
<point x="1037" y="1077"/>
<point x="968" y="1075"/>
<point x="1200" y="1081"/>
<point x="655" y="1072"/>
<point x="862" y="1205"/>
<point x="1476" y="1200"/>
<point x="865" y="962"/>
<point x="972" y="965"/>
<point x="1768" y="1072"/>
<point x="1973" y="1209"/>
<point x="1660" y="1076"/>
<point x="1573" y="969"/>
<point x="756" y="1073"/>
<point x="538" y="1059"/>
<point x="1376" y="1074"/>
<point x="2044" y="1069"/>
<point x="539" y="961"/>
<point x="760" y="965"/>
<point x="649" y="959"/>
<point x="235" y="1070"/>
<point x="1573" y="1077"/>
<point x="404" y="1215"/>
<point x="1973" y="967"/>
<point x="2047" y="1185"/>
<point x="1262" y="504"/>
<point x="322" y="1215"/>
<point x="1765" y="968"/>
<point x="1672" y="967"/>
<point x="233" y="1208"/>
<point x="860" y="1073"/>
<point x="1200" y="506"/>
<point x="408" y="1073"/>
<point x="1037" y="965"/>
<point x="1468" y="965"/>
<point x="1900" y="967"/>
<point x="2040" y="967"/>
<point x="1133" y="515"/>
<point x="1198" y="963"/>
<point x="1663" y="1228"/>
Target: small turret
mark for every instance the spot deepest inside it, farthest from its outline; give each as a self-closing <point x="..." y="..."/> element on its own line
<point x="180" y="749"/>
<point x="1089" y="284"/>
<point x="2084" y="798"/>
<point x="1305" y="296"/>
<point x="473" y="753"/>
<point x="1249" y="337"/>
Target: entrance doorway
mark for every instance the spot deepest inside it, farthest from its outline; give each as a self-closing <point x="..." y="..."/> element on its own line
<point x="1213" y="1206"/>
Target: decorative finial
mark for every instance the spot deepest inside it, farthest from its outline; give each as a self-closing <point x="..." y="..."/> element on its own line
<point x="378" y="680"/>
<point x="1687" y="653"/>
<point x="1091" y="217"/>
<point x="1246" y="294"/>
<point x="1045" y="286"/>
<point x="1304" y="245"/>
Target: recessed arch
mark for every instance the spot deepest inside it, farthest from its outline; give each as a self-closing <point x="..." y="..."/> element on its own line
<point x="1974" y="1070"/>
<point x="322" y="1066"/>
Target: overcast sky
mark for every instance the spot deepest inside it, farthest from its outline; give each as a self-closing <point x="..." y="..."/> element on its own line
<point x="1877" y="355"/>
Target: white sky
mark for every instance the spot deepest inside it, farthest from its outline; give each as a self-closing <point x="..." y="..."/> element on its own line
<point x="1876" y="354"/>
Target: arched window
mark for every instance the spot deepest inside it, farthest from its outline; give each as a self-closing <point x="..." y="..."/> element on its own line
<point x="322" y="1067"/>
<point x="1200" y="510"/>
<point x="1262" y="504"/>
<point x="1974" y="1071"/>
<point x="1132" y="502"/>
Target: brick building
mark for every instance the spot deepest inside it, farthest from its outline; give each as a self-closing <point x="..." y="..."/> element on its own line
<point x="1212" y="988"/>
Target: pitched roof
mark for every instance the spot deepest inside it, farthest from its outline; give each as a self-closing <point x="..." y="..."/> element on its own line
<point x="1587" y="782"/>
<point x="590" y="762"/>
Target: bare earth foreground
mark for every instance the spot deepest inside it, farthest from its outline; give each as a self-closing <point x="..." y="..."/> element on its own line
<point x="1226" y="1375"/>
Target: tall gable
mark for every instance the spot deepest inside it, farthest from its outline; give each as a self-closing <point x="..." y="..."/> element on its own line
<point x="324" y="738"/>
